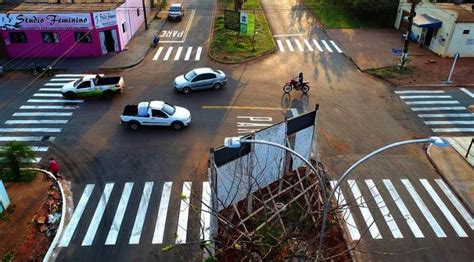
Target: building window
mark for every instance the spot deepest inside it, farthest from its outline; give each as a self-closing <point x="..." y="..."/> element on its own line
<point x="49" y="37"/>
<point x="124" y="27"/>
<point x="18" y="37"/>
<point x="138" y="11"/>
<point x="83" y="37"/>
<point x="466" y="32"/>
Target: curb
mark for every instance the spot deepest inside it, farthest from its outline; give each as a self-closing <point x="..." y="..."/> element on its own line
<point x="243" y="61"/>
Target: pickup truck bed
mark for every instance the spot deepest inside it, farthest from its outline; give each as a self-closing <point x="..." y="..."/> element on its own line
<point x="100" y="81"/>
<point x="130" y="110"/>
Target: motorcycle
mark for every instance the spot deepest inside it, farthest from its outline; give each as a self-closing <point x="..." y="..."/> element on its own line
<point x="37" y="70"/>
<point x="294" y="84"/>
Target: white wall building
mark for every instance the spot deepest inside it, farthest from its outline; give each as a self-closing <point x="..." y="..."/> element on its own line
<point x="444" y="28"/>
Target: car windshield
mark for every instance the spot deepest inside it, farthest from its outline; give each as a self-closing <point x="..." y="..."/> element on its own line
<point x="77" y="82"/>
<point x="174" y="9"/>
<point x="169" y="109"/>
<point x="190" y="75"/>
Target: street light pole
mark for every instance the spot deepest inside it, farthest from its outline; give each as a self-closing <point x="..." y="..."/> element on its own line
<point x="144" y="15"/>
<point x="434" y="140"/>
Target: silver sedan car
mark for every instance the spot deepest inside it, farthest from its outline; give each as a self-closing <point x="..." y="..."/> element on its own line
<point x="200" y="78"/>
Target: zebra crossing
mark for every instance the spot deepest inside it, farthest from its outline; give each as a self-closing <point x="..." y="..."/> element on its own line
<point x="126" y="207"/>
<point x="308" y="45"/>
<point x="439" y="110"/>
<point x="177" y="53"/>
<point x="42" y="116"/>
<point x="385" y="192"/>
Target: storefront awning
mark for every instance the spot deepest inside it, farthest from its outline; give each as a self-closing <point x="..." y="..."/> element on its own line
<point x="426" y="21"/>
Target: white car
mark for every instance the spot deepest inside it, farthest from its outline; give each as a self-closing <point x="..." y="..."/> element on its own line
<point x="200" y="78"/>
<point x="155" y="113"/>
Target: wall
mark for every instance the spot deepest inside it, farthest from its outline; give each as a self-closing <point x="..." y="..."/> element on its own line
<point x="128" y="13"/>
<point x="462" y="43"/>
<point x="4" y="200"/>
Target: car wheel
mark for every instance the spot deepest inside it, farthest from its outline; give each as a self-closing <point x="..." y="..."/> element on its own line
<point x="69" y="94"/>
<point x="186" y="90"/>
<point x="217" y="86"/>
<point x="134" y="125"/>
<point x="177" y="125"/>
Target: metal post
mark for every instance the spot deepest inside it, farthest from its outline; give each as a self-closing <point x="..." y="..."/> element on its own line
<point x="469" y="148"/>
<point x="456" y="57"/>
<point x="144" y="15"/>
<point x="404" y="56"/>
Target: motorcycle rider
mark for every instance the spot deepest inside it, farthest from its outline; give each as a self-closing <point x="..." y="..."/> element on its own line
<point x="300" y="79"/>
<point x="156" y="40"/>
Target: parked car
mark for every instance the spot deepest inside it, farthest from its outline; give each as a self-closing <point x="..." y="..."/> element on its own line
<point x="176" y="12"/>
<point x="155" y="113"/>
<point x="200" y="78"/>
<point x="94" y="85"/>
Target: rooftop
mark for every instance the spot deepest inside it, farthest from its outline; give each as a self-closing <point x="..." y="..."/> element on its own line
<point x="52" y="8"/>
<point x="465" y="12"/>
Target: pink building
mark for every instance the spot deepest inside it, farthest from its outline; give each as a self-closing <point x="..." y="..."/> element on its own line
<point x="72" y="30"/>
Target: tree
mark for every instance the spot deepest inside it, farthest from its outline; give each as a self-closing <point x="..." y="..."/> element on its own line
<point x="13" y="157"/>
<point x="238" y="4"/>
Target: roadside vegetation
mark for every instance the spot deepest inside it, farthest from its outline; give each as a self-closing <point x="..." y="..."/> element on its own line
<point x="229" y="46"/>
<point x="14" y="157"/>
<point x="354" y="13"/>
<point x="391" y="72"/>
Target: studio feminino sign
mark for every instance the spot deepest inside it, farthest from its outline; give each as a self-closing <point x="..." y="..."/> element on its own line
<point x="45" y="21"/>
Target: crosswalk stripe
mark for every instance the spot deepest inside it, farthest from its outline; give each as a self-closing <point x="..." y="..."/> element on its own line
<point x="290" y="46"/>
<point x="454" y="122"/>
<point x="70" y="75"/>
<point x="425" y="96"/>
<point x="178" y="53"/>
<point x="205" y="230"/>
<point x="452" y="130"/>
<point x="43" y="121"/>
<point x="76" y="216"/>
<point x="54" y="84"/>
<point x="446" y="115"/>
<point x="25" y="138"/>
<point x="48" y="107"/>
<point x="54" y="101"/>
<point x="420" y="92"/>
<point x="168" y="53"/>
<point x="456" y="203"/>
<point x="444" y="209"/>
<point x="183" y="213"/>
<point x="198" y="54"/>
<point x="467" y="92"/>
<point x="317" y="45"/>
<point x="35" y="160"/>
<point x="47" y="95"/>
<point x="162" y="213"/>
<point x="449" y="108"/>
<point x="157" y="54"/>
<point x="119" y="214"/>
<point x="50" y="89"/>
<point x="64" y="79"/>
<point x="392" y="225"/>
<point x="431" y="102"/>
<point x="43" y="114"/>
<point x="31" y="130"/>
<point x="335" y="46"/>
<point x="351" y="225"/>
<point x="424" y="209"/>
<point x="327" y="46"/>
<point x="298" y="44"/>
<point x="97" y="217"/>
<point x="308" y="45"/>
<point x="188" y="53"/>
<point x="141" y="213"/>
<point x="403" y="209"/>
<point x="280" y="45"/>
<point x="39" y="148"/>
<point x="364" y="209"/>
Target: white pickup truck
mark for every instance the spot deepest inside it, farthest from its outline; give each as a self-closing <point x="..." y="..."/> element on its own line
<point x="155" y="113"/>
<point x="94" y="85"/>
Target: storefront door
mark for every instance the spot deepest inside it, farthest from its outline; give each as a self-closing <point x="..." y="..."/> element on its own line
<point x="2" y="48"/>
<point x="109" y="41"/>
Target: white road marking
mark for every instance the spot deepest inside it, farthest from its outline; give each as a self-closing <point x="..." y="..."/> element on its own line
<point x="205" y="212"/>
<point x="76" y="216"/>
<point x="245" y="124"/>
<point x="188" y="26"/>
<point x="97" y="217"/>
<point x="162" y="213"/>
<point x="290" y="46"/>
<point x="43" y="121"/>
<point x="456" y="203"/>
<point x="424" y="209"/>
<point x="403" y="209"/>
<point x="47" y="95"/>
<point x="32" y="130"/>
<point x="39" y="148"/>
<point x="308" y="45"/>
<point x="44" y="114"/>
<point x="294" y="112"/>
<point x="299" y="45"/>
<point x="425" y="96"/>
<point x="444" y="209"/>
<point x="449" y="102"/>
<point x="158" y="53"/>
<point x="364" y="209"/>
<point x="317" y="45"/>
<point x="392" y="225"/>
<point x="25" y="138"/>
<point x="55" y="84"/>
<point x="34" y="160"/>
<point x="335" y="46"/>
<point x="452" y="130"/>
<point x="70" y="75"/>
<point x="420" y="92"/>
<point x="351" y="225"/>
<point x="451" y="108"/>
<point x="446" y="115"/>
<point x="327" y="46"/>
<point x="141" y="213"/>
<point x="64" y="79"/>
<point x="55" y="101"/>
<point x="119" y="214"/>
<point x="188" y="53"/>
<point x="454" y="122"/>
<point x="50" y="89"/>
<point x="198" y="54"/>
<point x="280" y="45"/>
<point x="183" y="213"/>
<point x="168" y="53"/>
<point x="286" y="35"/>
<point x="48" y="107"/>
<point x="467" y="92"/>
<point x="178" y="53"/>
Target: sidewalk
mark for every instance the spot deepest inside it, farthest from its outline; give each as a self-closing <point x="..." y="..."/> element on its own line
<point x="455" y="168"/>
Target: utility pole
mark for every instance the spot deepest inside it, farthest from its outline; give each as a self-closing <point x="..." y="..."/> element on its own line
<point x="404" y="56"/>
<point x="144" y="15"/>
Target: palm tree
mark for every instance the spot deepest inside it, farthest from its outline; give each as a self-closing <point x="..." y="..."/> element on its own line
<point x="14" y="156"/>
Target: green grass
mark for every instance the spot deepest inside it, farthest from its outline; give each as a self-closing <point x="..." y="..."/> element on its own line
<point x="226" y="46"/>
<point x="392" y="72"/>
<point x="335" y="15"/>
